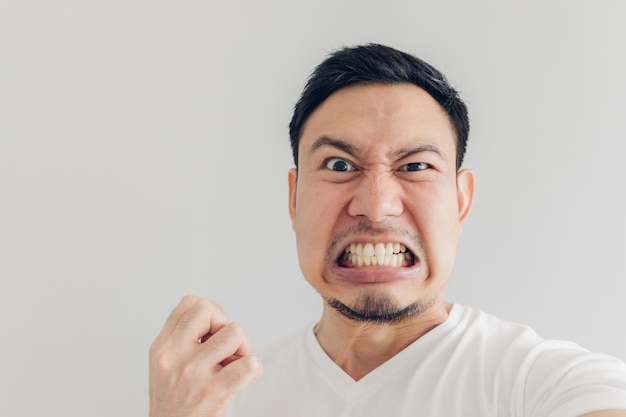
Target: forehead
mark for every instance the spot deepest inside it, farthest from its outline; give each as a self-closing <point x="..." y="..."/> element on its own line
<point x="381" y="117"/>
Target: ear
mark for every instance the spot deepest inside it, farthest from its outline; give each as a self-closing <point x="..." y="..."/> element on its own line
<point x="292" y="178"/>
<point x="465" y="186"/>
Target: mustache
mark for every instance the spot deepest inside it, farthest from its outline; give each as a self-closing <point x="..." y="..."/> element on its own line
<point x="366" y="227"/>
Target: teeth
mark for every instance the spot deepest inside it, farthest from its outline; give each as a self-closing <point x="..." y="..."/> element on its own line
<point x="387" y="254"/>
<point x="379" y="251"/>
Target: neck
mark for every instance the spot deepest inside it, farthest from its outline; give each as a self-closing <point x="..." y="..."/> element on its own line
<point x="358" y="348"/>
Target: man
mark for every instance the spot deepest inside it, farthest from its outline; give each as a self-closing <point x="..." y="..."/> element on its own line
<point x="377" y="201"/>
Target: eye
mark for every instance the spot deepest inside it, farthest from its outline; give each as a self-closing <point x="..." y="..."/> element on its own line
<point x="415" y="166"/>
<point x="339" y="165"/>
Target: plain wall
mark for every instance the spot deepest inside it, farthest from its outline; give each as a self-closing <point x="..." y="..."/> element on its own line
<point x="144" y="153"/>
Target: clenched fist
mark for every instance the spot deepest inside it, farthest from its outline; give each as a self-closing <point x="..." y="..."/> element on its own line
<point x="198" y="362"/>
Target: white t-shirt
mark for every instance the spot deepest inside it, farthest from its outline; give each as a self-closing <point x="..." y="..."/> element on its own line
<point x="473" y="364"/>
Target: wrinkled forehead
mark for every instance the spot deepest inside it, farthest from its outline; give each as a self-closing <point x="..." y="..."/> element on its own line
<point x="379" y="119"/>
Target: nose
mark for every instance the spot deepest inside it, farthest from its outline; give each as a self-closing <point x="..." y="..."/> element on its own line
<point x="377" y="196"/>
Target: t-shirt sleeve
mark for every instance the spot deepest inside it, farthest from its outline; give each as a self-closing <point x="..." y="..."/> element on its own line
<point x="564" y="380"/>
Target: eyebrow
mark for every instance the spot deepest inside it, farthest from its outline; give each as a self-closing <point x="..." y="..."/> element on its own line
<point x="336" y="143"/>
<point x="354" y="151"/>
<point x="404" y="152"/>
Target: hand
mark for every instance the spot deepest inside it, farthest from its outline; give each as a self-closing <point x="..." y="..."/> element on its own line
<point x="198" y="362"/>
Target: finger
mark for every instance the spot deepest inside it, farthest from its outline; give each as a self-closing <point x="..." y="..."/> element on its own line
<point x="227" y="342"/>
<point x="183" y="305"/>
<point x="202" y="318"/>
<point x="228" y="382"/>
<point x="240" y="373"/>
<point x="231" y="359"/>
<point x="244" y="347"/>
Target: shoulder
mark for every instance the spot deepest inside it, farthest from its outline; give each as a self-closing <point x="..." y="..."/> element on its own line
<point x="491" y="332"/>
<point x="547" y="377"/>
<point x="495" y="336"/>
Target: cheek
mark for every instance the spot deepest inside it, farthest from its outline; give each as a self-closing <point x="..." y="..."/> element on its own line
<point x="315" y="216"/>
<point x="441" y="209"/>
<point x="443" y="236"/>
<point x="317" y="208"/>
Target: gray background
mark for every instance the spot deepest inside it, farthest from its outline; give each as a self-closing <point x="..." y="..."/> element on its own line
<point x="144" y="151"/>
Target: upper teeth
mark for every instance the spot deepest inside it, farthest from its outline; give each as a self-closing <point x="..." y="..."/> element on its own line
<point x="391" y="254"/>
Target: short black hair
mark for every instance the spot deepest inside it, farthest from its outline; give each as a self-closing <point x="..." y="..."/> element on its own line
<point x="378" y="64"/>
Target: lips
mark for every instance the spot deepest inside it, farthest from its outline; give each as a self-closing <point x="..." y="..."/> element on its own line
<point x="388" y="254"/>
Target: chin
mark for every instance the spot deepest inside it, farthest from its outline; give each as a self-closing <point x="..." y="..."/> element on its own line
<point x="380" y="308"/>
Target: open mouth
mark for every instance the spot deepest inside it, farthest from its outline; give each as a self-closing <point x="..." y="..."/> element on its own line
<point x="393" y="255"/>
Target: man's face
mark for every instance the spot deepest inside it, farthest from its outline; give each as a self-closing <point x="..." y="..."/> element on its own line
<point x="376" y="203"/>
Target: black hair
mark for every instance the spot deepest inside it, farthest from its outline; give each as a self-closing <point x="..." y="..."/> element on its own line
<point x="378" y="64"/>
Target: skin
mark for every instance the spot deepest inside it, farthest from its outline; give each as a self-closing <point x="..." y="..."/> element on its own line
<point x="200" y="360"/>
<point x="381" y="131"/>
<point x="189" y="378"/>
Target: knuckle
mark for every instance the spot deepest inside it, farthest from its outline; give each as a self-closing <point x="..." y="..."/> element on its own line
<point x="203" y="304"/>
<point x="244" y="367"/>
<point x="236" y="329"/>
<point x="188" y="300"/>
<point x="253" y="365"/>
<point x="232" y="332"/>
<point x="209" y="305"/>
<point x="236" y="375"/>
<point x="230" y="380"/>
<point x="189" y="297"/>
<point x="164" y="358"/>
<point x="163" y="362"/>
